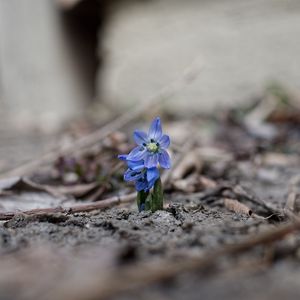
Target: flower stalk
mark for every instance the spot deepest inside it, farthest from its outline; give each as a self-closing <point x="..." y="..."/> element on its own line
<point x="157" y="196"/>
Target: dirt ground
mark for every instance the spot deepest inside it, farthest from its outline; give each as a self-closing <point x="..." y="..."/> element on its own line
<point x="199" y="247"/>
<point x="186" y="229"/>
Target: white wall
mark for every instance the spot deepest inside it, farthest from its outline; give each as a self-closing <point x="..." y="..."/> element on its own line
<point x="37" y="78"/>
<point x="240" y="45"/>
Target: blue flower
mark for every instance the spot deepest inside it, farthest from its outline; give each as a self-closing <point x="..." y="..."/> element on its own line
<point x="144" y="178"/>
<point x="151" y="147"/>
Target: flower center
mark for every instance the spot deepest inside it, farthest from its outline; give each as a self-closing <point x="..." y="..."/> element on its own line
<point x="152" y="147"/>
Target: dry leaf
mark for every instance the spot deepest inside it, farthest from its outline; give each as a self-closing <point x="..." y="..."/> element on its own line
<point x="293" y="202"/>
<point x="19" y="194"/>
<point x="191" y="162"/>
<point x="207" y="183"/>
<point x="22" y="184"/>
<point x="193" y="183"/>
<point x="237" y="207"/>
<point x="78" y="190"/>
<point x="186" y="185"/>
<point x="279" y="159"/>
<point x="212" y="154"/>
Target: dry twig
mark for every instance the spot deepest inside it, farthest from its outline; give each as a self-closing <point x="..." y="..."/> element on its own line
<point x="102" y="204"/>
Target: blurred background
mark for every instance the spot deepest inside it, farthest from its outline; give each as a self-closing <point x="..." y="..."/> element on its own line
<point x="61" y="60"/>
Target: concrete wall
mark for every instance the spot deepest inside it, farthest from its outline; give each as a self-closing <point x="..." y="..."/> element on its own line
<point x="38" y="80"/>
<point x="239" y="46"/>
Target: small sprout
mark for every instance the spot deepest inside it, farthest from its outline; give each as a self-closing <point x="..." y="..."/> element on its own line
<point x="143" y="165"/>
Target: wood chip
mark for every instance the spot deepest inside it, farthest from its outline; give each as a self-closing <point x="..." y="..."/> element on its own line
<point x="237" y="207"/>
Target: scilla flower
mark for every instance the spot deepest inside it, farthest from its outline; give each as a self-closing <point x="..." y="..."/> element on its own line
<point x="143" y="162"/>
<point x="144" y="178"/>
<point x="151" y="147"/>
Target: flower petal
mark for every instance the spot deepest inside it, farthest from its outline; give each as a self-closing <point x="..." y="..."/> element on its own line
<point x="122" y="156"/>
<point x="131" y="175"/>
<point x="155" y="130"/>
<point x="141" y="185"/>
<point x="151" y="160"/>
<point x="164" y="141"/>
<point x="164" y="159"/>
<point x="151" y="180"/>
<point x="152" y="174"/>
<point x="137" y="153"/>
<point x="150" y="184"/>
<point x="135" y="165"/>
<point x="140" y="137"/>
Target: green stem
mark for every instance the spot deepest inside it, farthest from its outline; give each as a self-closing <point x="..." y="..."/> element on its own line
<point x="141" y="200"/>
<point x="148" y="203"/>
<point x="157" y="196"/>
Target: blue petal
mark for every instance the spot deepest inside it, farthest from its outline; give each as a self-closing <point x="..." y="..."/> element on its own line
<point x="135" y="165"/>
<point x="152" y="174"/>
<point x="164" y="141"/>
<point x="164" y="159"/>
<point x="131" y="175"/>
<point x="122" y="156"/>
<point x="137" y="153"/>
<point x="141" y="185"/>
<point x="140" y="137"/>
<point x="151" y="184"/>
<point x="151" y="160"/>
<point x="155" y="130"/>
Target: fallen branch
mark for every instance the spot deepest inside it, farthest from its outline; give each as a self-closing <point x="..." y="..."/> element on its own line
<point x="102" y="204"/>
<point x="94" y="138"/>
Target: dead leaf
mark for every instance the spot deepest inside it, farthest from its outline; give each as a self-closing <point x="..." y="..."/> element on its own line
<point x="194" y="183"/>
<point x="207" y="183"/>
<point x="237" y="207"/>
<point x="213" y="154"/>
<point x="191" y="162"/>
<point x="185" y="185"/>
<point x="22" y="184"/>
<point x="78" y="190"/>
<point x="293" y="202"/>
<point x="20" y="194"/>
<point x="279" y="159"/>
